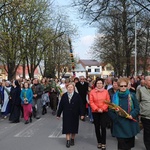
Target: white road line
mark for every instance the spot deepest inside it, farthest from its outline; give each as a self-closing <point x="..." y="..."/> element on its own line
<point x="57" y="132"/>
<point x="28" y="132"/>
<point x="6" y="128"/>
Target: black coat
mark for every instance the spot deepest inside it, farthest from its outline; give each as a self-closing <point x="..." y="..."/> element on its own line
<point x="71" y="112"/>
<point x="82" y="89"/>
<point x="15" y="102"/>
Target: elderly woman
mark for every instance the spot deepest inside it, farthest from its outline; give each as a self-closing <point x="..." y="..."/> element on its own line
<point x="98" y="96"/>
<point x="15" y="102"/>
<point x="72" y="108"/>
<point x="6" y="104"/>
<point x="125" y="129"/>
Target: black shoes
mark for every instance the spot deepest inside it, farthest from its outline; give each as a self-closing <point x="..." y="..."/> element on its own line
<point x="72" y="142"/>
<point x="38" y="117"/>
<point x="26" y="122"/>
<point x="30" y="119"/>
<point x="68" y="143"/>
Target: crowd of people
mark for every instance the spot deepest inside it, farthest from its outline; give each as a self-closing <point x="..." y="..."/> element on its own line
<point x="79" y="98"/>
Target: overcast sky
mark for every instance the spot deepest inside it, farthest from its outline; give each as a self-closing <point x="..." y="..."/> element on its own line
<point x="82" y="44"/>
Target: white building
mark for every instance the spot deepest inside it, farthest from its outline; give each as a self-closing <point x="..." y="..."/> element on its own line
<point x="92" y="67"/>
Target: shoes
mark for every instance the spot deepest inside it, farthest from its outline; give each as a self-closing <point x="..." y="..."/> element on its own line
<point x="26" y="122"/>
<point x="99" y="145"/>
<point x="5" y="117"/>
<point x="15" y="121"/>
<point x="83" y="119"/>
<point x="103" y="147"/>
<point x="91" y="120"/>
<point x="54" y="113"/>
<point x="72" y="142"/>
<point x="30" y="119"/>
<point x="37" y="117"/>
<point x="68" y="143"/>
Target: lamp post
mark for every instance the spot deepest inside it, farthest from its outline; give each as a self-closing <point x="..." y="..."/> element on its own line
<point x="135" y="46"/>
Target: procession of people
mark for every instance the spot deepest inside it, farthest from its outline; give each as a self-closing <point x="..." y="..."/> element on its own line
<point x="120" y="104"/>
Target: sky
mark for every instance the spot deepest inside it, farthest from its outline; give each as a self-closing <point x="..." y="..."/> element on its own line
<point x="84" y="41"/>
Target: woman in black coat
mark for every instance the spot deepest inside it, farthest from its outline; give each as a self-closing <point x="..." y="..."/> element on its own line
<point x="72" y="107"/>
<point x="15" y="102"/>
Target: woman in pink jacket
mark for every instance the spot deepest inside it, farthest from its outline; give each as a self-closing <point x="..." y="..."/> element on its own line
<point x="99" y="110"/>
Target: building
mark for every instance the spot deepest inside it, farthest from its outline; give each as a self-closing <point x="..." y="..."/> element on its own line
<point x="79" y="70"/>
<point x="92" y="67"/>
<point x="107" y="70"/>
<point x="19" y="72"/>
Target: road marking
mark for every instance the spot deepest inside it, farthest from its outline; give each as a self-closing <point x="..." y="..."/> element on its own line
<point x="29" y="131"/>
<point x="57" y="132"/>
<point x="6" y="128"/>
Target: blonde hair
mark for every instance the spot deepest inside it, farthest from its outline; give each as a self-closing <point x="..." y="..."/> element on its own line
<point x="123" y="80"/>
<point x="71" y="83"/>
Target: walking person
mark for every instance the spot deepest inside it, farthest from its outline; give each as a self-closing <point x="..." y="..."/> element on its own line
<point x="143" y="95"/>
<point x="82" y="88"/>
<point x="111" y="92"/>
<point x="37" y="90"/>
<point x="26" y="100"/>
<point x="99" y="110"/>
<point x="1" y="94"/>
<point x="45" y="95"/>
<point x="6" y="104"/>
<point x="88" y="103"/>
<point x="71" y="106"/>
<point x="54" y="92"/>
<point x="15" y="102"/>
<point x="125" y="129"/>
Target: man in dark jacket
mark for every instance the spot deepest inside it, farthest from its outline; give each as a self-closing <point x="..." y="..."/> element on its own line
<point x="37" y="100"/>
<point x="82" y="88"/>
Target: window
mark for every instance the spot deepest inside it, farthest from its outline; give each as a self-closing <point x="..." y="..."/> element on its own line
<point x="89" y="70"/>
<point x="97" y="70"/>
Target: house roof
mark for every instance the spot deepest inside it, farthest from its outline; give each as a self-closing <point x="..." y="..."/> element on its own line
<point x="89" y="62"/>
<point x="79" y="68"/>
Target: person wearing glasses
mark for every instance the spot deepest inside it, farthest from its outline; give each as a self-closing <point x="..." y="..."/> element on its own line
<point x="98" y="96"/>
<point x="125" y="129"/>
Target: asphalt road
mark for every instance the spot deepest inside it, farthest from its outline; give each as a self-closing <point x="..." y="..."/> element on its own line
<point x="45" y="134"/>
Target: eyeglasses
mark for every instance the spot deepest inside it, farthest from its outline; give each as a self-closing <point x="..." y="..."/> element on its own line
<point x="123" y="85"/>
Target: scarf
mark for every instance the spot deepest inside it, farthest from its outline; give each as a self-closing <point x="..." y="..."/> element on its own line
<point x="70" y="96"/>
<point x="123" y="94"/>
<point x="99" y="90"/>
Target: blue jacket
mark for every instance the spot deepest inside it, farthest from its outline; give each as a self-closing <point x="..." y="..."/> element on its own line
<point x="26" y="93"/>
<point x="123" y="127"/>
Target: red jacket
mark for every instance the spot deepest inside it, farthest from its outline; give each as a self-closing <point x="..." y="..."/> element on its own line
<point x="97" y="98"/>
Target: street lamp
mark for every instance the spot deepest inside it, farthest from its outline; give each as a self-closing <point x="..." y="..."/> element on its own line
<point x="135" y="42"/>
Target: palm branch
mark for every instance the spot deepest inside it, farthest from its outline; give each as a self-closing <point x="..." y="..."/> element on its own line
<point x="121" y="112"/>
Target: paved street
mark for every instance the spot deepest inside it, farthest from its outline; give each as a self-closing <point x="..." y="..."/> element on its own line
<point x="45" y="134"/>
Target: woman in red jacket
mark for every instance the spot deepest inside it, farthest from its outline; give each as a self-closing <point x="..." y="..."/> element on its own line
<point x="99" y="110"/>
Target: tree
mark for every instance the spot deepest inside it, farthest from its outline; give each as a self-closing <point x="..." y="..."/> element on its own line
<point x="97" y="12"/>
<point x="10" y="40"/>
<point x="57" y="55"/>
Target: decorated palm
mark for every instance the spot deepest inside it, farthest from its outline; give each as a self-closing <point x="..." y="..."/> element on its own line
<point x="25" y="98"/>
<point x="121" y="112"/>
